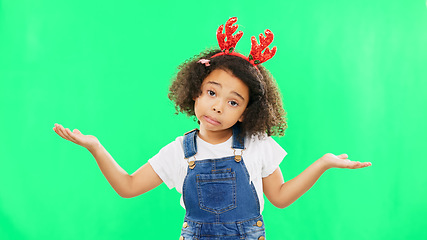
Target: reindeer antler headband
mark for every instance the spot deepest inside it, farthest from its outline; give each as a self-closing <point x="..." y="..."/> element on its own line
<point x="227" y="42"/>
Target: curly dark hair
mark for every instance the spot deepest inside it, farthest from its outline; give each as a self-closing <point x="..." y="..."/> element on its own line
<point x="264" y="113"/>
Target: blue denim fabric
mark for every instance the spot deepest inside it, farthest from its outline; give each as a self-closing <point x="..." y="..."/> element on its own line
<point x="220" y="200"/>
<point x="223" y="231"/>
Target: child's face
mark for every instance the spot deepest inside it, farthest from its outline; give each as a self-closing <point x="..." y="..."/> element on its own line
<point x="223" y="100"/>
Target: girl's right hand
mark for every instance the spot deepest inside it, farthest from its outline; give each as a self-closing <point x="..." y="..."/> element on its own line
<point x="87" y="141"/>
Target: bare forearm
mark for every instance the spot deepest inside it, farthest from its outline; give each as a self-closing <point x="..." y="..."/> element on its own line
<point x="118" y="178"/>
<point x="283" y="194"/>
<point x="293" y="189"/>
<point x="141" y="181"/>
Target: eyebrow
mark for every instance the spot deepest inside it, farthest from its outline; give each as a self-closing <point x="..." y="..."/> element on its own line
<point x="233" y="92"/>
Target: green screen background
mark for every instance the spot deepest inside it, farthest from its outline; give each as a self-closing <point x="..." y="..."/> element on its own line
<point x="352" y="74"/>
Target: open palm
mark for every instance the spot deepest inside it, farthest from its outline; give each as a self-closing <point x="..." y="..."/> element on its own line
<point x="75" y="136"/>
<point x="342" y="161"/>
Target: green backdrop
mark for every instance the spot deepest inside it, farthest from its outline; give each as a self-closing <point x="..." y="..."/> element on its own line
<point x="352" y="74"/>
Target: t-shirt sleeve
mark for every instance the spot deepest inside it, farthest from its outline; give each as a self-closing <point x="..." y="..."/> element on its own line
<point x="273" y="155"/>
<point x="168" y="163"/>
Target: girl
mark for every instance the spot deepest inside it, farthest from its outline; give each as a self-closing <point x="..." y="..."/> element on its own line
<point x="223" y="168"/>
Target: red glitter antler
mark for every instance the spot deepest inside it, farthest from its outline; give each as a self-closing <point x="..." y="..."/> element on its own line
<point x="228" y="45"/>
<point x="256" y="56"/>
<point x="227" y="42"/>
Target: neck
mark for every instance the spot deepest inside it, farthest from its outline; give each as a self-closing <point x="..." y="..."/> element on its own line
<point x="215" y="137"/>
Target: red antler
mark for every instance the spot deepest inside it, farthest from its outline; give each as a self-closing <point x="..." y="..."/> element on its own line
<point x="256" y="54"/>
<point x="228" y="44"/>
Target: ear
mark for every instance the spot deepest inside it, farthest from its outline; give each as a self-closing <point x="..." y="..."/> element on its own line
<point x="196" y="97"/>
<point x="242" y="117"/>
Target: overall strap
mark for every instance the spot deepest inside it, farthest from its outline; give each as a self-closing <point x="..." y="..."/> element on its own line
<point x="189" y="144"/>
<point x="238" y="141"/>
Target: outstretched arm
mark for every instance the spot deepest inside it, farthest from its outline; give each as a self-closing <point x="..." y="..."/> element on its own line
<point x="282" y="194"/>
<point x="141" y="181"/>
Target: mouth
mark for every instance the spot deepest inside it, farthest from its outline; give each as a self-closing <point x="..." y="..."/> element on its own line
<point x="211" y="120"/>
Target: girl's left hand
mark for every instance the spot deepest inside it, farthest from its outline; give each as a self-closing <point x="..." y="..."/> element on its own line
<point x="341" y="161"/>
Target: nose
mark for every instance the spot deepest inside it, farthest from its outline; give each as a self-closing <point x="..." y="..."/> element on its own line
<point x="217" y="107"/>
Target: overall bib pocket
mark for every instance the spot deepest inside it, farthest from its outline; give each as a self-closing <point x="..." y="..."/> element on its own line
<point x="216" y="191"/>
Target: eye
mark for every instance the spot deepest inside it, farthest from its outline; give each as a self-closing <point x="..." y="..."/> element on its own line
<point x="233" y="103"/>
<point x="211" y="93"/>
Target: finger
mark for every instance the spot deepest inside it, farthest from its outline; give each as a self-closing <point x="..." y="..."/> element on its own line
<point x="73" y="135"/>
<point x="64" y="133"/>
<point x="69" y="134"/>
<point x="56" y="130"/>
<point x="76" y="131"/>
<point x="343" y="156"/>
<point x="59" y="132"/>
<point x="355" y="165"/>
<point x="366" y="164"/>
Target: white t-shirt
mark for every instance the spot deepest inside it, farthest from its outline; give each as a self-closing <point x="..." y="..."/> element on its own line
<point x="261" y="157"/>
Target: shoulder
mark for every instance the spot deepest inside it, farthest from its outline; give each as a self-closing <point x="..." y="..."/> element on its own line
<point x="262" y="141"/>
<point x="174" y="146"/>
<point x="170" y="155"/>
<point x="178" y="143"/>
<point x="266" y="150"/>
<point x="169" y="163"/>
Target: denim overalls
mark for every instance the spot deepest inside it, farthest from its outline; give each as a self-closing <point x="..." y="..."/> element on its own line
<point x="220" y="201"/>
